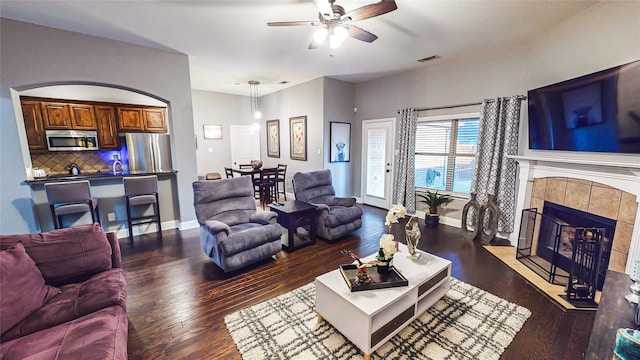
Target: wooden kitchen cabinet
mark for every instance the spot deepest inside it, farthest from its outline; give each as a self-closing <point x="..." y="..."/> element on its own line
<point x="83" y="117"/>
<point x="68" y="116"/>
<point x="34" y="126"/>
<point x="142" y="119"/>
<point x="107" y="127"/>
<point x="130" y="119"/>
<point x="56" y="115"/>
<point x="154" y="120"/>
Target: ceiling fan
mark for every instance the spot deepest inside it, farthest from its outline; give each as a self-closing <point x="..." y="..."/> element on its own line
<point x="336" y="23"/>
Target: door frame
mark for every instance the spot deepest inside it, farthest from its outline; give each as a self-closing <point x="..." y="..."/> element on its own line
<point x="392" y="155"/>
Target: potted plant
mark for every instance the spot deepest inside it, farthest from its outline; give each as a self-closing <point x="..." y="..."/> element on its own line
<point x="433" y="200"/>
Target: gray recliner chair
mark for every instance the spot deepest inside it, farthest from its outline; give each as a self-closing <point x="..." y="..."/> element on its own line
<point x="232" y="233"/>
<point x="334" y="216"/>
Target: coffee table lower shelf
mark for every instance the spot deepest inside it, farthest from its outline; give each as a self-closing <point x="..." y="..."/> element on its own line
<point x="370" y="318"/>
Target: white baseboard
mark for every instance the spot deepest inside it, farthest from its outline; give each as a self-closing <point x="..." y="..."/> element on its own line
<point x="186" y="225"/>
<point x="144" y="229"/>
<point x="443" y="219"/>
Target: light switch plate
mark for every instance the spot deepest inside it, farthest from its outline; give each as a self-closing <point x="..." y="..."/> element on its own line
<point x="635" y="270"/>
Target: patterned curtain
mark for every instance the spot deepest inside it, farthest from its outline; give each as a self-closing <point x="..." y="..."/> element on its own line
<point x="494" y="173"/>
<point x="404" y="181"/>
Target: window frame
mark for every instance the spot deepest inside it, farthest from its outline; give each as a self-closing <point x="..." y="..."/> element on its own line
<point x="452" y="154"/>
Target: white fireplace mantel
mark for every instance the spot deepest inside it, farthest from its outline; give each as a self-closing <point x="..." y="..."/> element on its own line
<point x="620" y="175"/>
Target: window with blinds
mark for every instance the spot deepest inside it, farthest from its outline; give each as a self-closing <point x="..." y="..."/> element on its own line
<point x="445" y="154"/>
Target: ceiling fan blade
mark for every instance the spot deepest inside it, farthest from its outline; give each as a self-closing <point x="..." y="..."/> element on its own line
<point x="360" y="34"/>
<point x="293" y="23"/>
<point x="324" y="7"/>
<point x="314" y="44"/>
<point x="369" y="11"/>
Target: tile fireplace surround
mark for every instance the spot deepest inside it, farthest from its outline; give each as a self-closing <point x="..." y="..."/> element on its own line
<point x="608" y="189"/>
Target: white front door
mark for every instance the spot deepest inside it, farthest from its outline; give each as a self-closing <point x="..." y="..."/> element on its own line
<point x="377" y="164"/>
<point x="245" y="144"/>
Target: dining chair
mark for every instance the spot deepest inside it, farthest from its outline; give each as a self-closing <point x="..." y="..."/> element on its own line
<point x="268" y="179"/>
<point x="228" y="172"/>
<point x="280" y="181"/>
<point x="255" y="178"/>
<point x="72" y="197"/>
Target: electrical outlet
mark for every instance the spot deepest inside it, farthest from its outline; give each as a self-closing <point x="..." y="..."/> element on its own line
<point x="111" y="216"/>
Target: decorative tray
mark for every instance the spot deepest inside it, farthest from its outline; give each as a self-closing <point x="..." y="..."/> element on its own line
<point x="378" y="281"/>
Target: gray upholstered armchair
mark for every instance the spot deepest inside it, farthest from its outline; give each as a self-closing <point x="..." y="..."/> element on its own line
<point x="232" y="233"/>
<point x="335" y="216"/>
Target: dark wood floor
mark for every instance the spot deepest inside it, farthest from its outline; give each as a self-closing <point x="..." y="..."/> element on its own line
<point x="177" y="298"/>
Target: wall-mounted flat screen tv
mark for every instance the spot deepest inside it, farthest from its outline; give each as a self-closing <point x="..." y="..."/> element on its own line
<point x="599" y="112"/>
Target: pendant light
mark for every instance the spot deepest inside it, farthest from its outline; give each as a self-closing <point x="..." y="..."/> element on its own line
<point x="253" y="96"/>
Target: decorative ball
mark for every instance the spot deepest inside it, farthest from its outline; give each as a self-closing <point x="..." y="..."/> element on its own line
<point x="257" y="164"/>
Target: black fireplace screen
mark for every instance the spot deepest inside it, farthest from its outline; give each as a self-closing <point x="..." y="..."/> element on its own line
<point x="560" y="246"/>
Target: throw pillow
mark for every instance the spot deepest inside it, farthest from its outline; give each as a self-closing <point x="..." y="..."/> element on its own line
<point x="23" y="288"/>
<point x="67" y="255"/>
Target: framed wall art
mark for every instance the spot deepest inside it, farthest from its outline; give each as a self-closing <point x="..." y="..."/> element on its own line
<point x="212" y="131"/>
<point x="340" y="142"/>
<point x="273" y="138"/>
<point x="298" y="138"/>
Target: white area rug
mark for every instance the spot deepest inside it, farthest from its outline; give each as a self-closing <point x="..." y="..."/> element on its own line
<point x="471" y="324"/>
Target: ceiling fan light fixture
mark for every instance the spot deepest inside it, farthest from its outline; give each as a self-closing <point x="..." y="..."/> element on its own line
<point x="320" y="35"/>
<point x="341" y="33"/>
<point x="337" y="34"/>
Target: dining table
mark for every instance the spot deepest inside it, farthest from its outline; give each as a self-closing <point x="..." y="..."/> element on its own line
<point x="255" y="175"/>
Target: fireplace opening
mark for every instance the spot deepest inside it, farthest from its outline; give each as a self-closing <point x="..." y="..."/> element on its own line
<point x="559" y="242"/>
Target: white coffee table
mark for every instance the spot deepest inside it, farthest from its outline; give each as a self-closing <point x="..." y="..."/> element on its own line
<point x="370" y="318"/>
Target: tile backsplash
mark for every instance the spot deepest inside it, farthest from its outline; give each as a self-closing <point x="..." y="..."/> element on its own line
<point x="88" y="161"/>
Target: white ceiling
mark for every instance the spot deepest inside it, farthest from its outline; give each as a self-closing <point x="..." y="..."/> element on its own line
<point x="229" y="43"/>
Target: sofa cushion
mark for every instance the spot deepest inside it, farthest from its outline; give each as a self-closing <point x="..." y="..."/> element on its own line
<point x="250" y="238"/>
<point x="339" y="215"/>
<point x="105" y="289"/>
<point x="99" y="335"/>
<point x="66" y="255"/>
<point x="23" y="288"/>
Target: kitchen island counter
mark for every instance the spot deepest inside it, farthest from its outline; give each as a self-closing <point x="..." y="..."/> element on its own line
<point x="108" y="188"/>
<point x="100" y="175"/>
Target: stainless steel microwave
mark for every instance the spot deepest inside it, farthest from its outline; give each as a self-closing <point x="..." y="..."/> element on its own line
<point x="71" y="140"/>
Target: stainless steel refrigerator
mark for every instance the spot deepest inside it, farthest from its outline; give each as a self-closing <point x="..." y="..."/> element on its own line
<point x="149" y="153"/>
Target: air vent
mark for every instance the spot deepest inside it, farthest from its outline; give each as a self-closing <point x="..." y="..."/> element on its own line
<point x="428" y="58"/>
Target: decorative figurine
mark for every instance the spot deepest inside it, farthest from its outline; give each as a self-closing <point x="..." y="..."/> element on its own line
<point x="413" y="234"/>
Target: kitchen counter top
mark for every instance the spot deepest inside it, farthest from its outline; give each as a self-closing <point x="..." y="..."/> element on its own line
<point x="100" y="175"/>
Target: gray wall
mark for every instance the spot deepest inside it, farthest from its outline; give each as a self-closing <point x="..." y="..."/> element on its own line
<point x="299" y="100"/>
<point x="339" y="97"/>
<point x="33" y="56"/>
<point x="605" y="36"/>
<point x="211" y="108"/>
<point x="322" y="100"/>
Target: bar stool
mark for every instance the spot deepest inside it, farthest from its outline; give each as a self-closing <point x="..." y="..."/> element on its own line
<point x="212" y="176"/>
<point x="142" y="190"/>
<point x="72" y="197"/>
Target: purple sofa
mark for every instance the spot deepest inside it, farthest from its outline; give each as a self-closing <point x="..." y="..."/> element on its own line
<point x="63" y="295"/>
